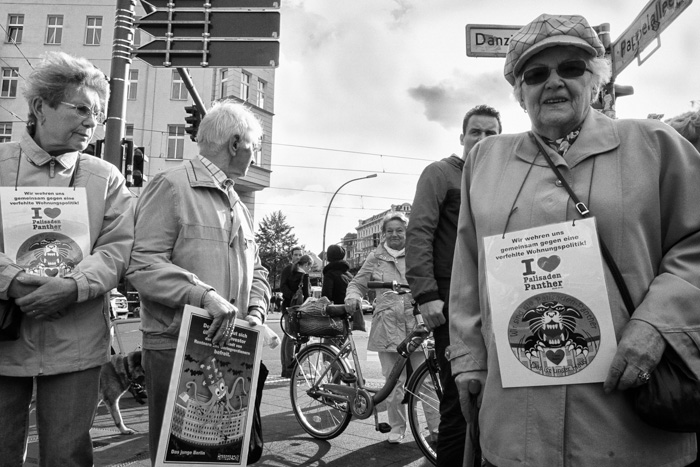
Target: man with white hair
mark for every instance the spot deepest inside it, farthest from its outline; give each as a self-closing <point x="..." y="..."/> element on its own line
<point x="194" y="244"/>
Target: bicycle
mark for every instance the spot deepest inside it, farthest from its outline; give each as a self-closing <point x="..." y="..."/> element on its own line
<point x="327" y="388"/>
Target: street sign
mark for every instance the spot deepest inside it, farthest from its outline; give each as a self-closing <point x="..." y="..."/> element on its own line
<point x="233" y="25"/>
<point x="653" y="19"/>
<point x="199" y="53"/>
<point x="150" y="5"/>
<point x="489" y="40"/>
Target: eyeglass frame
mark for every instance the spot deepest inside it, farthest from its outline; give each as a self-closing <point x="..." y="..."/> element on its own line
<point x="99" y="116"/>
<point x="565" y="75"/>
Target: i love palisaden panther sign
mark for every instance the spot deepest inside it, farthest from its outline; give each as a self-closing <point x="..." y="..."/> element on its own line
<point x="549" y="305"/>
<point x="45" y="229"/>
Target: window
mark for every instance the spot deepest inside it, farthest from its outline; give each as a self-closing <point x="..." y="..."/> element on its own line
<point x="261" y="94"/>
<point x="93" y="30"/>
<point x="54" y="29"/>
<point x="225" y="75"/>
<point x="178" y="91"/>
<point x="129" y="131"/>
<point x="257" y="152"/>
<point x="5" y="132"/>
<point x="176" y="141"/>
<point x="9" y="82"/>
<point x="245" y="86"/>
<point x="15" y="26"/>
<point x="132" y="85"/>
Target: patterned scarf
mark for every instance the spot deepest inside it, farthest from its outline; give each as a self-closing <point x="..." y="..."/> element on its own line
<point x="562" y="145"/>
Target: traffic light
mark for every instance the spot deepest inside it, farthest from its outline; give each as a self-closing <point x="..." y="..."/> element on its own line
<point x="139" y="159"/>
<point x="193" y="118"/>
<point x="127" y="147"/>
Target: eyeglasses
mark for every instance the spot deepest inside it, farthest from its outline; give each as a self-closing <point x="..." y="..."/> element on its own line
<point x="567" y="70"/>
<point x="87" y="112"/>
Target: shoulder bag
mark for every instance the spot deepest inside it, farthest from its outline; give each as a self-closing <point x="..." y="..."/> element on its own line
<point x="670" y="400"/>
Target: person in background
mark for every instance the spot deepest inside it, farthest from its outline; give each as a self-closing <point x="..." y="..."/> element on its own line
<point x="640" y="180"/>
<point x="430" y="240"/>
<point x="187" y="253"/>
<point x="392" y="319"/>
<point x="64" y="335"/>
<point x="289" y="283"/>
<point x="336" y="275"/>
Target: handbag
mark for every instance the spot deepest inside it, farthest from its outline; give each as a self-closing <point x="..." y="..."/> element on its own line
<point x="670" y="400"/>
<point x="298" y="297"/>
<point x="311" y="320"/>
<point x="10" y="320"/>
<point x="255" y="447"/>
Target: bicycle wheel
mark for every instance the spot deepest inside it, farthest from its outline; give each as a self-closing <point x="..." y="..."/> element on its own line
<point x="424" y="411"/>
<point x="321" y="417"/>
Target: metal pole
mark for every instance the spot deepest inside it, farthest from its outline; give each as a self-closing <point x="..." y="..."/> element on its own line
<point x="325" y="221"/>
<point x="187" y="81"/>
<point x="121" y="60"/>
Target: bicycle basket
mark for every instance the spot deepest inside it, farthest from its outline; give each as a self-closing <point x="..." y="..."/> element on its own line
<point x="311" y="320"/>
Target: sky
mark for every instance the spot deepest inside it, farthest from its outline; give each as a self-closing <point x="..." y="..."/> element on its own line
<point x="381" y="86"/>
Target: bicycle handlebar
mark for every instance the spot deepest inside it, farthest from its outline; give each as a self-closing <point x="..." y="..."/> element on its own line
<point x="336" y="310"/>
<point x="393" y="285"/>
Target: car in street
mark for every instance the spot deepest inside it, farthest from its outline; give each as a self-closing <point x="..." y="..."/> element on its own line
<point x="367" y="307"/>
<point x="118" y="306"/>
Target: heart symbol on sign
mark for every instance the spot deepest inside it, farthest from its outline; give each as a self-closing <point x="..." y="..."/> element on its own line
<point x="555" y="357"/>
<point x="52" y="212"/>
<point x="51" y="272"/>
<point x="549" y="264"/>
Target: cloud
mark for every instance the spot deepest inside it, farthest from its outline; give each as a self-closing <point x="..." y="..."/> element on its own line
<point x="448" y="100"/>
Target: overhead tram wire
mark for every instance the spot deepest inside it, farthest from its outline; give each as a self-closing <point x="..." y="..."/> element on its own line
<point x="17" y="46"/>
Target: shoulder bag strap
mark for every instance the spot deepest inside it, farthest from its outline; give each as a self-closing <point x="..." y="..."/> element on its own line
<point x="585" y="212"/>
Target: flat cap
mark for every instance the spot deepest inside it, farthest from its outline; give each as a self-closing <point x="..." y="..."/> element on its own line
<point x="549" y="31"/>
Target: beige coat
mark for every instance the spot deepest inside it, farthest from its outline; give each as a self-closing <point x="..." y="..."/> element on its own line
<point x="641" y="181"/>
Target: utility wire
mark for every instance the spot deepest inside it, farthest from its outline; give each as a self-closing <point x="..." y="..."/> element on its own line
<point x="7" y="36"/>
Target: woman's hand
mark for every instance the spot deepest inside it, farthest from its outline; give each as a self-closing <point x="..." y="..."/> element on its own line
<point x="638" y="353"/>
<point x="19" y="287"/>
<point x="352" y="305"/>
<point x="51" y="296"/>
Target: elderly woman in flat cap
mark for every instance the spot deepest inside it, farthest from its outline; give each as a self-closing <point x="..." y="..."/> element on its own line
<point x="639" y="179"/>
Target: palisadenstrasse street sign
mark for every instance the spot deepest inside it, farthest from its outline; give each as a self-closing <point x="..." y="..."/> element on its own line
<point x="653" y="19"/>
<point x="198" y="52"/>
<point x="220" y="23"/>
<point x="201" y="33"/>
<point x="489" y="40"/>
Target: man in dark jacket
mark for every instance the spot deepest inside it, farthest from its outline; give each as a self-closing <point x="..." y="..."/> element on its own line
<point x="430" y="245"/>
<point x="335" y="275"/>
<point x="289" y="283"/>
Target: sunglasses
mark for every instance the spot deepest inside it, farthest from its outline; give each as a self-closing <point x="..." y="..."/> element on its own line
<point x="567" y="70"/>
<point x="86" y="112"/>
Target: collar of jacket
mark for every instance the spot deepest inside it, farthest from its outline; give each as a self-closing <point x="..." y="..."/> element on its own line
<point x="382" y="254"/>
<point x="199" y="176"/>
<point x="598" y="135"/>
<point x="39" y="157"/>
<point x="341" y="266"/>
<point x="455" y="160"/>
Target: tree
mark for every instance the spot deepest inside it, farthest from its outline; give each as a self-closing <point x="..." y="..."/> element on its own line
<point x="275" y="241"/>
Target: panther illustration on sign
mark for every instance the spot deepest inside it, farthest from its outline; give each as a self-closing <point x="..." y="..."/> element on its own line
<point x="553" y="325"/>
<point x="49" y="255"/>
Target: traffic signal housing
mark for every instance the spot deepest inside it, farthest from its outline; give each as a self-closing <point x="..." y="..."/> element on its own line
<point x="193" y="119"/>
<point x="139" y="160"/>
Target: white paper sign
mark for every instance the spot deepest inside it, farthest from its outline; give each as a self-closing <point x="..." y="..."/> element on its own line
<point x="45" y="229"/>
<point x="549" y="304"/>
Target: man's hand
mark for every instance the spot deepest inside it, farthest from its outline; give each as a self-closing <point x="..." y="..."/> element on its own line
<point x="224" y="314"/>
<point x="352" y="305"/>
<point x="432" y="314"/>
<point x="50" y="297"/>
<point x="638" y="353"/>
<point x="465" y="397"/>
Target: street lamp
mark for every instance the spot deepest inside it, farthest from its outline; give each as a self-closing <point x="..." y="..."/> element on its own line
<point x="325" y="221"/>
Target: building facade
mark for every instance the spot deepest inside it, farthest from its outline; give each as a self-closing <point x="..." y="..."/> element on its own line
<point x="156" y="96"/>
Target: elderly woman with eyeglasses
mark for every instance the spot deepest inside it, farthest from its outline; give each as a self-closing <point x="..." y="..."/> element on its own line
<point x="640" y="181"/>
<point x="62" y="287"/>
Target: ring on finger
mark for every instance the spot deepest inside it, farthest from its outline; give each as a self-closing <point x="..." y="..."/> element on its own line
<point x="644" y="376"/>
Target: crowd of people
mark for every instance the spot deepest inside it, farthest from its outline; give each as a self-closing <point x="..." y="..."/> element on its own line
<point x="638" y="178"/>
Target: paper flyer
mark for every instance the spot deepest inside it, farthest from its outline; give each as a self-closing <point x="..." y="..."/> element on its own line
<point x="45" y="229"/>
<point x="209" y="412"/>
<point x="549" y="304"/>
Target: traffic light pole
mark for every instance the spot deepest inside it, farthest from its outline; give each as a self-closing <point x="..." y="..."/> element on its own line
<point x="187" y="81"/>
<point x="121" y="60"/>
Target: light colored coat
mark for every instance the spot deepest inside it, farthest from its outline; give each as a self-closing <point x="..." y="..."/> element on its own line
<point x="187" y="244"/>
<point x="392" y="319"/>
<point x="80" y="338"/>
<point x="641" y="181"/>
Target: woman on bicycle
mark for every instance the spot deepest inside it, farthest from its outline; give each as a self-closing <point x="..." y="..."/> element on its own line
<point x="393" y="318"/>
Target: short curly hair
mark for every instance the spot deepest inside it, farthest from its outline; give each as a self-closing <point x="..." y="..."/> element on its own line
<point x="688" y="125"/>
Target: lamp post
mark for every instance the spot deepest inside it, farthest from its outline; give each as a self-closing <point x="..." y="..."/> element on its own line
<point x="325" y="221"/>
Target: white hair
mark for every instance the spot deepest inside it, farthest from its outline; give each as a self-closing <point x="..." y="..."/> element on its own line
<point x="225" y="119"/>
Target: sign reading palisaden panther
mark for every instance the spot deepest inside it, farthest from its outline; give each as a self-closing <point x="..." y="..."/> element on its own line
<point x="45" y="229"/>
<point x="549" y="305"/>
